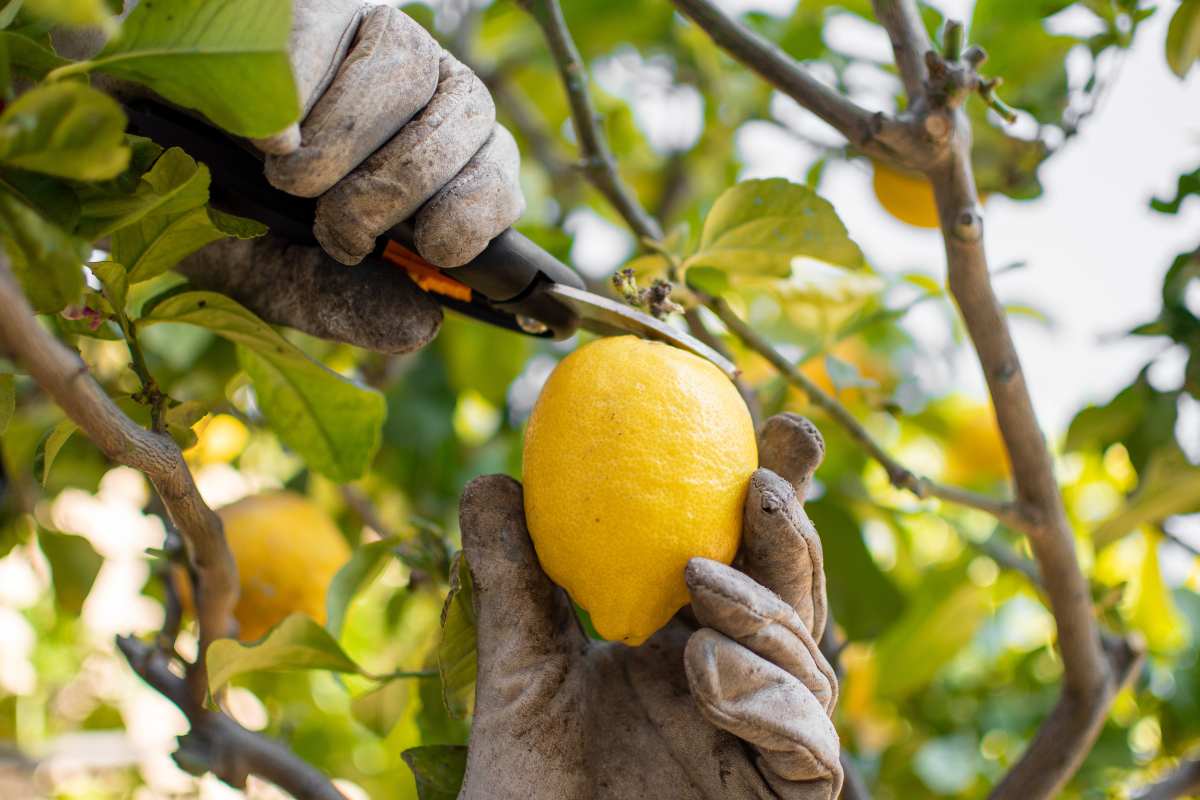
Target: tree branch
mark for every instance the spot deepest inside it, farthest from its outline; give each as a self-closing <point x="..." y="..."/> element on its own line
<point x="899" y="475"/>
<point x="598" y="162"/>
<point x="218" y="744"/>
<point x="1183" y="782"/>
<point x="1090" y="678"/>
<point x="876" y="134"/>
<point x="63" y="375"/>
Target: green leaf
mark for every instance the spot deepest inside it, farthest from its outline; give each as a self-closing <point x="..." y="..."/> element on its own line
<point x="1168" y="486"/>
<point x="52" y="198"/>
<point x="759" y="226"/>
<point x="1183" y="38"/>
<point x="845" y="375"/>
<point x="941" y="619"/>
<point x="116" y="283"/>
<point x="332" y="422"/>
<point x="174" y="185"/>
<point x="9" y="12"/>
<point x="49" y="447"/>
<point x="381" y="708"/>
<point x="8" y="399"/>
<point x="456" y="650"/>
<point x="1186" y="186"/>
<point x="294" y="644"/>
<point x="1139" y="416"/>
<point x="74" y="13"/>
<point x="65" y="129"/>
<point x="438" y="769"/>
<point x="46" y="260"/>
<point x="226" y="58"/>
<point x="364" y="566"/>
<point x="863" y="599"/>
<point x="481" y="358"/>
<point x="28" y="58"/>
<point x="74" y="565"/>
<point x="158" y="242"/>
<point x="708" y="279"/>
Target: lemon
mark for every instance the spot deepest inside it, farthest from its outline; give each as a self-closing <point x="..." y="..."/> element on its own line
<point x="220" y="439"/>
<point x="975" y="452"/>
<point x="287" y="551"/>
<point x="907" y="196"/>
<point x="637" y="457"/>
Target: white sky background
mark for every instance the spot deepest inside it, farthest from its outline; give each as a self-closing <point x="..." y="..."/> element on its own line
<point x="1095" y="254"/>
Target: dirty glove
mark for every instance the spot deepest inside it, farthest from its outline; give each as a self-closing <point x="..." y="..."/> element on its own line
<point x="732" y="699"/>
<point x="394" y="126"/>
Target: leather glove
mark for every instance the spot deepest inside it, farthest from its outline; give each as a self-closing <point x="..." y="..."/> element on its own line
<point x="394" y="126"/>
<point x="732" y="699"/>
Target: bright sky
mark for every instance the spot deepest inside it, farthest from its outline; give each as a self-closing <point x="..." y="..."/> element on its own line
<point x="1095" y="255"/>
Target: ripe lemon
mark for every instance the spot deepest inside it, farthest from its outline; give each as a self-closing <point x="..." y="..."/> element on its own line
<point x="287" y="551"/>
<point x="975" y="451"/>
<point x="907" y="196"/>
<point x="637" y="457"/>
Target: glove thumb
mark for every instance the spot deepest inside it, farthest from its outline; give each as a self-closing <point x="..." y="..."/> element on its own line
<point x="527" y="630"/>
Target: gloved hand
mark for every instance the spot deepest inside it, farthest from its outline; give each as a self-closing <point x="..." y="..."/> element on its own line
<point x="731" y="700"/>
<point x="394" y="126"/>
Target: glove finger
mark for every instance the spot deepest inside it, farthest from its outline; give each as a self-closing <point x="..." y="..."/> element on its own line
<point x="322" y="32"/>
<point x="528" y="635"/>
<point x="781" y="550"/>
<point x="740" y="692"/>
<point x="475" y="206"/>
<point x="388" y="76"/>
<point x="732" y="604"/>
<point x="791" y="446"/>
<point x="399" y="177"/>
<point x="373" y="305"/>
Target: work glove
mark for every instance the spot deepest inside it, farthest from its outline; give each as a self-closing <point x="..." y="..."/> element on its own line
<point x="732" y="699"/>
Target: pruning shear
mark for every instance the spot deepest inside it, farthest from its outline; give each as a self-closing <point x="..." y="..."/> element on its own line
<point x="513" y="284"/>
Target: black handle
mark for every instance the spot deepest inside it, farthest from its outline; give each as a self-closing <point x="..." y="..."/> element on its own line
<point x="507" y="275"/>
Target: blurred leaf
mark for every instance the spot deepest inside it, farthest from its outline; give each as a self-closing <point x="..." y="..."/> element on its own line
<point x="926" y="282"/>
<point x="1139" y="416"/>
<point x="438" y="769"/>
<point x="482" y="358"/>
<point x="74" y="13"/>
<point x="28" y="58"/>
<point x="708" y="279"/>
<point x="380" y="709"/>
<point x="116" y="282"/>
<point x="364" y="566"/>
<point x="1169" y="485"/>
<point x="943" y="615"/>
<point x="65" y="129"/>
<point x="9" y="12"/>
<point x="180" y="418"/>
<point x="198" y="55"/>
<point x="456" y="650"/>
<point x="863" y="599"/>
<point x="158" y="242"/>
<point x="845" y="375"/>
<point x="50" y="446"/>
<point x="1029" y="58"/>
<point x="296" y="643"/>
<point x="330" y="421"/>
<point x="1183" y="37"/>
<point x="1187" y="184"/>
<point x="175" y="184"/>
<point x="74" y="565"/>
<point x="46" y="260"/>
<point x="759" y="226"/>
<point x="1151" y="609"/>
<point x="8" y="400"/>
<point x="16" y="530"/>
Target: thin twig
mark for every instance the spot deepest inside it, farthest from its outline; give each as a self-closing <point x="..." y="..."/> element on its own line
<point x="899" y="475"/>
<point x="218" y="744"/>
<point x="1183" y="782"/>
<point x="874" y="133"/>
<point x="65" y="377"/>
<point x="597" y="159"/>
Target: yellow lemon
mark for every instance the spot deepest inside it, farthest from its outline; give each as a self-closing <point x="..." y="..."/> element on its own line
<point x="220" y="439"/>
<point x="975" y="451"/>
<point x="907" y="196"/>
<point x="637" y="457"/>
<point x="287" y="551"/>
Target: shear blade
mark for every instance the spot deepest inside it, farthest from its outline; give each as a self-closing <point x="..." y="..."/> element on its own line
<point x="608" y="317"/>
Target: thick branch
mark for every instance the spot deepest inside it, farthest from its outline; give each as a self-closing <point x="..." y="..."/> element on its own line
<point x="1183" y="782"/>
<point x="876" y="134"/>
<point x="910" y="42"/>
<point x="899" y="475"/>
<point x="218" y="744"/>
<point x="598" y="161"/>
<point x="63" y="375"/>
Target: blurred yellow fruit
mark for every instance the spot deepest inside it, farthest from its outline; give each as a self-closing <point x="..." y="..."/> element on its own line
<point x="287" y="551"/>
<point x="220" y="439"/>
<point x="974" y="449"/>
<point x="907" y="196"/>
<point x="637" y="457"/>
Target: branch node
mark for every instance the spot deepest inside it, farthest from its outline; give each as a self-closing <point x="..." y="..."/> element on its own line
<point x="968" y="225"/>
